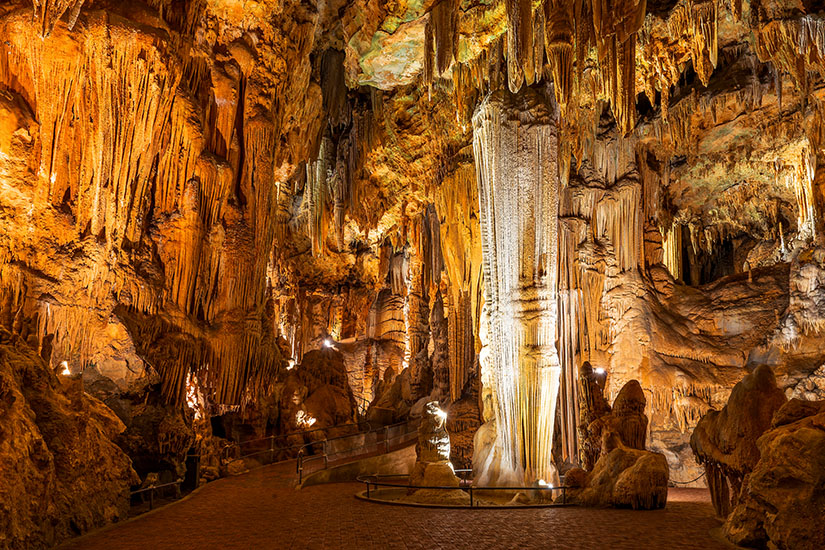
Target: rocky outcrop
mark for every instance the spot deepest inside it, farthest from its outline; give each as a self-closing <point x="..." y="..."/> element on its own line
<point x="316" y="394"/>
<point x="621" y="478"/>
<point x="432" y="466"/>
<point x="725" y="441"/>
<point x="625" y="475"/>
<point x="782" y="501"/>
<point x="62" y="473"/>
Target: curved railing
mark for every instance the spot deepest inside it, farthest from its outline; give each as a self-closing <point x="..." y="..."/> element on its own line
<point x="371" y="440"/>
<point x="372" y="482"/>
<point x="392" y="437"/>
<point x="238" y="445"/>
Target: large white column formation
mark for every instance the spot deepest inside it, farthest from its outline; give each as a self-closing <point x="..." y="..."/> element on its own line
<point x="515" y="142"/>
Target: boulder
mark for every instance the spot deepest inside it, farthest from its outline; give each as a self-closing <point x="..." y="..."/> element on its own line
<point x="782" y="502"/>
<point x="725" y="441"/>
<point x="621" y="478"/>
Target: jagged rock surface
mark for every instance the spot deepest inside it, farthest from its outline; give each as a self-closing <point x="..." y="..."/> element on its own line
<point x="783" y="496"/>
<point x="725" y="441"/>
<point x="62" y="472"/>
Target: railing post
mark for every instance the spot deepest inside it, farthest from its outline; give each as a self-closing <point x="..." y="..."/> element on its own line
<point x="471" y="496"/>
<point x="368" y="489"/>
<point x="386" y="439"/>
<point x="152" y="498"/>
<point x="271" y="449"/>
<point x="326" y="458"/>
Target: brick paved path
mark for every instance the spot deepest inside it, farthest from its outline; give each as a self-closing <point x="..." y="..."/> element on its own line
<point x="261" y="510"/>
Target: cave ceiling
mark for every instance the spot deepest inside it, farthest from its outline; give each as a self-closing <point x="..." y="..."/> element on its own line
<point x="215" y="185"/>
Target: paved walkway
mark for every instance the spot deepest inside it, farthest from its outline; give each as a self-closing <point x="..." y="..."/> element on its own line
<point x="261" y="510"/>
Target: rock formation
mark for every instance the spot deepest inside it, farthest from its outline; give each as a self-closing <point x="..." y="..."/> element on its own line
<point x="625" y="475"/>
<point x="466" y="200"/>
<point x="432" y="465"/>
<point x="725" y="441"/>
<point x="62" y="472"/>
<point x="764" y="460"/>
<point x="783" y="497"/>
<point x="516" y="150"/>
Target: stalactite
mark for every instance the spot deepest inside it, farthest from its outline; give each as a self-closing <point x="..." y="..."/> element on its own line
<point x="316" y="196"/>
<point x="559" y="46"/>
<point x="519" y="43"/>
<point x="672" y="244"/>
<point x="615" y="26"/>
<point x="49" y="12"/>
<point x="704" y="17"/>
<point x="429" y="54"/>
<point x="618" y="220"/>
<point x="444" y="21"/>
<point x="333" y="87"/>
<point x="431" y="247"/>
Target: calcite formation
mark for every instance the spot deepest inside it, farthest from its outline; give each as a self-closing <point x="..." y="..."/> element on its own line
<point x="433" y="470"/>
<point x="783" y="496"/>
<point x="725" y="441"/>
<point x="625" y="474"/>
<point x="236" y="219"/>
<point x="516" y="149"/>
<point x="763" y="456"/>
<point x="63" y="474"/>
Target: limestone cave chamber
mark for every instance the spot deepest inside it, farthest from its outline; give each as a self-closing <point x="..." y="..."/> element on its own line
<point x="480" y="274"/>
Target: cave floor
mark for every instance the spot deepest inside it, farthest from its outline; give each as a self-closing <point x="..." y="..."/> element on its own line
<point x="261" y="510"/>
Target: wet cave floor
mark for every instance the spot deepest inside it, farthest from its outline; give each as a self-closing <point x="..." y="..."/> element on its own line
<point x="261" y="510"/>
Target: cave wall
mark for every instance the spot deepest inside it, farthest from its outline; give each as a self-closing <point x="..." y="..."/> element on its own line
<point x="197" y="195"/>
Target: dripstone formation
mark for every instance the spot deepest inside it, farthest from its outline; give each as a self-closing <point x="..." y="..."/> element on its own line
<point x="224" y="222"/>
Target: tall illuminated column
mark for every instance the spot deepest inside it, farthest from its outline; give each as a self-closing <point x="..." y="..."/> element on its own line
<point x="515" y="142"/>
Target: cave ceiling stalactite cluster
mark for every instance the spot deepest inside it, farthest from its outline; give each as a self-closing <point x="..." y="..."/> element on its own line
<point x="234" y="218"/>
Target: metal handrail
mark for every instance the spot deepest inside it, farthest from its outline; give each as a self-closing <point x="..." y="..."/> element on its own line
<point x="238" y="444"/>
<point x="152" y="488"/>
<point x="302" y="455"/>
<point x="302" y="458"/>
<point x="469" y="488"/>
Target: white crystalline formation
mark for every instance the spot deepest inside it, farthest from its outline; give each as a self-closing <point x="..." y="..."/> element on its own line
<point x="515" y="145"/>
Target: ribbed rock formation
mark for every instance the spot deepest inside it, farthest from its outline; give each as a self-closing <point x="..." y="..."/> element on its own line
<point x="516" y="150"/>
<point x="725" y="441"/>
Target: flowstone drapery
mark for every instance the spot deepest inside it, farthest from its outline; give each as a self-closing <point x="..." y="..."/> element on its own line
<point x="515" y="141"/>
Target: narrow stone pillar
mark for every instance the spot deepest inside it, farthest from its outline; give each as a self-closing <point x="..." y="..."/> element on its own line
<point x="515" y="142"/>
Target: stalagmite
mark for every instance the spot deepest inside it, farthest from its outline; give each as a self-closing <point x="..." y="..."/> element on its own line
<point x="515" y="145"/>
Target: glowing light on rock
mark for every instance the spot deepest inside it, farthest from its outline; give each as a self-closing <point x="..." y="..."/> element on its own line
<point x="304" y="420"/>
<point x="65" y="366"/>
<point x="328" y="343"/>
<point x="290" y="364"/>
<point x="598" y="370"/>
<point x="192" y="396"/>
